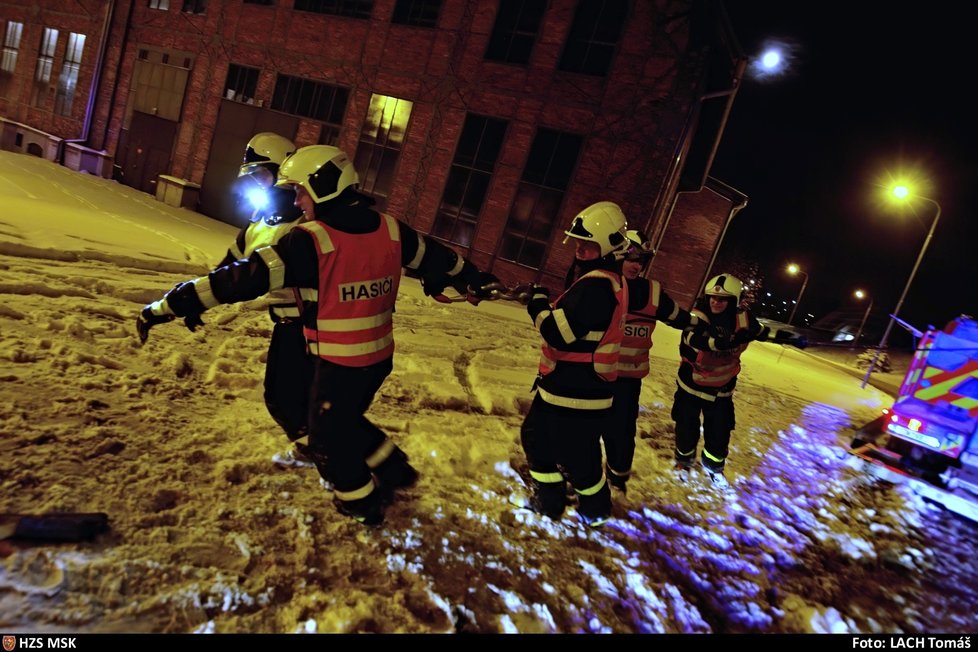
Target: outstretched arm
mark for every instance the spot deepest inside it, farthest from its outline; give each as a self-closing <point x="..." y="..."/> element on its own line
<point x="440" y="266"/>
<point x="289" y="263"/>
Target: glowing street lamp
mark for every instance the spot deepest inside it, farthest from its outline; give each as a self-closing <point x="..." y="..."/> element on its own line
<point x="903" y="192"/>
<point x="793" y="270"/>
<point x="859" y="294"/>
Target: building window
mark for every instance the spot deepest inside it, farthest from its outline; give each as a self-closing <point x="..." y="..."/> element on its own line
<point x="468" y="179"/>
<point x="310" y="99"/>
<point x="593" y="36"/>
<point x="380" y="145"/>
<point x="420" y="13"/>
<point x="194" y="6"/>
<point x="45" y="64"/>
<point x="162" y="5"/>
<point x="241" y="84"/>
<point x="515" y="30"/>
<point x="348" y="8"/>
<point x="11" y="45"/>
<point x="546" y="176"/>
<point x="68" y="79"/>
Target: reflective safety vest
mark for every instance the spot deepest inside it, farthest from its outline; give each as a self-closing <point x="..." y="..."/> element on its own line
<point x="260" y="234"/>
<point x="633" y="360"/>
<point x="602" y="347"/>
<point x="717" y="368"/>
<point x="358" y="279"/>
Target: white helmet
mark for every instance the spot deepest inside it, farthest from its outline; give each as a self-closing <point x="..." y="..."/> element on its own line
<point x="323" y="170"/>
<point x="603" y="223"/>
<point x="639" y="246"/>
<point x="266" y="149"/>
<point x="724" y="285"/>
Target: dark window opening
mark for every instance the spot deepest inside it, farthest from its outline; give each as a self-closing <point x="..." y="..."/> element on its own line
<point x="549" y="166"/>
<point x="241" y="84"/>
<point x="515" y="30"/>
<point x="594" y="36"/>
<point x="420" y="13"/>
<point x="469" y="179"/>
<point x="348" y="8"/>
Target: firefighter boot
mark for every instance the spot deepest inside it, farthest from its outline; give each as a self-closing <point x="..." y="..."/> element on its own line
<point x="368" y="510"/>
<point x="595" y="508"/>
<point x="549" y="498"/>
<point x="617" y="480"/>
<point x="396" y="472"/>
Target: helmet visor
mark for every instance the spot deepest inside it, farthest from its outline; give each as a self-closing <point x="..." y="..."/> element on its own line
<point x="577" y="229"/>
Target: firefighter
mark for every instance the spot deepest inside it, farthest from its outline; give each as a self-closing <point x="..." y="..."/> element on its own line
<point x="581" y="333"/>
<point x="709" y="363"/>
<point x="345" y="261"/>
<point x="648" y="303"/>
<point x="288" y="366"/>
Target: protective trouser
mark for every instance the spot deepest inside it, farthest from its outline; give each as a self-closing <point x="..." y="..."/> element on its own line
<point x="288" y="378"/>
<point x="619" y="440"/>
<point x="556" y="438"/>
<point x="718" y="423"/>
<point x="341" y="436"/>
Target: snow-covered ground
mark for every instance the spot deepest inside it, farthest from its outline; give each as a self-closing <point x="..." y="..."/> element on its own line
<point x="172" y="440"/>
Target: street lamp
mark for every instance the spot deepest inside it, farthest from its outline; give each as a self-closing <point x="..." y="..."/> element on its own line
<point x="903" y="192"/>
<point x="859" y="294"/>
<point x="794" y="269"/>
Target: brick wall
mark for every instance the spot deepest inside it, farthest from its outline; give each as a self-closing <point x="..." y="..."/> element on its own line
<point x="631" y="120"/>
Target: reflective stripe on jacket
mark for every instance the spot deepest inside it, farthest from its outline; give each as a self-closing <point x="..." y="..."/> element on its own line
<point x="715" y="369"/>
<point x="599" y="349"/>
<point x="262" y="234"/>
<point x="633" y="359"/>
<point x="359" y="275"/>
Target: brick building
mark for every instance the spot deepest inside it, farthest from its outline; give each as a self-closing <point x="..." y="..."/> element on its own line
<point x="487" y="123"/>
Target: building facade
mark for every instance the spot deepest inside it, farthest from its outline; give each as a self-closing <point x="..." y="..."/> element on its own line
<point x="486" y="123"/>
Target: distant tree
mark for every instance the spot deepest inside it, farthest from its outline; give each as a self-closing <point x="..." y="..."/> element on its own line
<point x="745" y="268"/>
<point x="866" y="358"/>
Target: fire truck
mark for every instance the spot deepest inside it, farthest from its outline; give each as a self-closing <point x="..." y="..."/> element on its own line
<point x="930" y="434"/>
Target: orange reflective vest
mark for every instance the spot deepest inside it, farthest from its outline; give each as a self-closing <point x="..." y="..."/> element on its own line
<point x="717" y="368"/>
<point x="359" y="275"/>
<point x="603" y="355"/>
<point x="633" y="360"/>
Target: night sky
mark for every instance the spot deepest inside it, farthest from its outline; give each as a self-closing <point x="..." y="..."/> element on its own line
<point x="872" y="88"/>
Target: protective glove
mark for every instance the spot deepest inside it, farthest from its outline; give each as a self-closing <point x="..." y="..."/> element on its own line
<point x="722" y="338"/>
<point x="719" y="332"/>
<point x="145" y="320"/>
<point x="434" y="286"/>
<point x="192" y="322"/>
<point x="537" y="299"/>
<point x="485" y="283"/>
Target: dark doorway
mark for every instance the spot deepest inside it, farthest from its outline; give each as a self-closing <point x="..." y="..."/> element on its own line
<point x="236" y="124"/>
<point x="146" y="152"/>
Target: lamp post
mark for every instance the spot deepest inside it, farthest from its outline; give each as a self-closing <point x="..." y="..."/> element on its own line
<point x="862" y="295"/>
<point x="902" y="192"/>
<point x="794" y="269"/>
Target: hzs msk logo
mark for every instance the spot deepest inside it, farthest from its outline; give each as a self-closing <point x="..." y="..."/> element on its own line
<point x="9" y="643"/>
